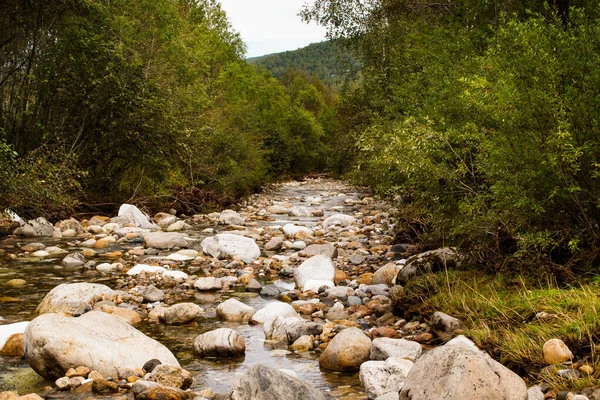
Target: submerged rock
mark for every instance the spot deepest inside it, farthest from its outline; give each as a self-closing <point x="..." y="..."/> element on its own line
<point x="54" y="343"/>
<point x="265" y="383"/>
<point x="234" y="310"/>
<point x="182" y="313"/>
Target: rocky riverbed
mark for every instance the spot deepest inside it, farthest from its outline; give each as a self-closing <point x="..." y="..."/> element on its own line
<point x="289" y="296"/>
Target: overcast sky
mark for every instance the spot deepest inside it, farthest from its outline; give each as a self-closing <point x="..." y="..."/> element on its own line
<point x="271" y="26"/>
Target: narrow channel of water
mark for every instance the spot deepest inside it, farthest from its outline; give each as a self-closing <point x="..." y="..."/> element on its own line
<point x="18" y="304"/>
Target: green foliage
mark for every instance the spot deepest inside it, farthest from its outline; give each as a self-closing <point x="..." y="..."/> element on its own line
<point x="482" y="119"/>
<point x="150" y="99"/>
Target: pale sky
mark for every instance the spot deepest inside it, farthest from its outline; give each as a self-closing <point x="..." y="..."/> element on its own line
<point x="271" y="26"/>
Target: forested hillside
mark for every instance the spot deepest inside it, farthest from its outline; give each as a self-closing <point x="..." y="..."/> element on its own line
<point x="330" y="61"/>
<point x="103" y="102"/>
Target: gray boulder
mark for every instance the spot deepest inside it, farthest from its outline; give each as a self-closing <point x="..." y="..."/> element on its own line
<point x="36" y="227"/>
<point x="265" y="383"/>
<point x="73" y="260"/>
<point x="430" y="261"/>
<point x="230" y="217"/>
<point x="458" y="370"/>
<point x="290" y="329"/>
<point x="165" y="240"/>
<point x="272" y="310"/>
<point x="208" y="283"/>
<point x="384" y="348"/>
<point x="99" y="341"/>
<point x="321" y="249"/>
<point x="72" y="298"/>
<point x="444" y="325"/>
<point x="234" y="310"/>
<point x="182" y="313"/>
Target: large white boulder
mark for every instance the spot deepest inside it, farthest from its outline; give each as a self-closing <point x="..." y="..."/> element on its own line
<point x="229" y="245"/>
<point x="272" y="310"/>
<point x="135" y="217"/>
<point x="54" y="343"/>
<point x="74" y="298"/>
<point x="317" y="268"/>
<point x="458" y="370"/>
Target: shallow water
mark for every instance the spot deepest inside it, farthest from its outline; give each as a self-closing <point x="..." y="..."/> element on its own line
<point x="18" y="304"/>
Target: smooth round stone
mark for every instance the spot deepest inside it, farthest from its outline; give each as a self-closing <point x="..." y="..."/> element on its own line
<point x="16" y="283"/>
<point x="556" y="351"/>
<point x="40" y="253"/>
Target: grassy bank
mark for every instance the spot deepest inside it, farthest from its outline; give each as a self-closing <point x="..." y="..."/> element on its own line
<point x="503" y="316"/>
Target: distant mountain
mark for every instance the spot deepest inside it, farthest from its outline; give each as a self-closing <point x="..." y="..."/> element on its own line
<point x="330" y="61"/>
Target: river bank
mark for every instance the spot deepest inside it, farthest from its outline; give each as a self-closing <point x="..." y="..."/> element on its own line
<point x="290" y="271"/>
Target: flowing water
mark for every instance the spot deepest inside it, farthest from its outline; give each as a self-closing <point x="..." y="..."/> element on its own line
<point x="18" y="304"/>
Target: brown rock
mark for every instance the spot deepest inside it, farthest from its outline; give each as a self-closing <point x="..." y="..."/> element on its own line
<point x="307" y="309"/>
<point x="423" y="337"/>
<point x="346" y="351"/>
<point x="172" y="376"/>
<point x="102" y="386"/>
<point x="366" y="278"/>
<point x="13" y="346"/>
<point x="79" y="371"/>
<point x="162" y="393"/>
<point x="8" y="395"/>
<point x="340" y="276"/>
<point x="386" y="274"/>
<point x="100" y="244"/>
<point x="112" y="255"/>
<point x="384" y="332"/>
<point x="380" y="305"/>
<point x="556" y="351"/>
